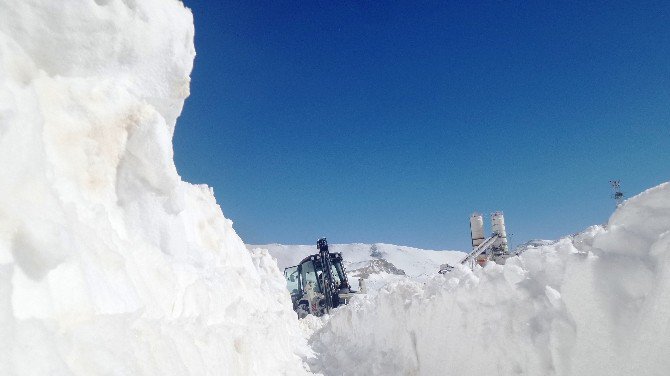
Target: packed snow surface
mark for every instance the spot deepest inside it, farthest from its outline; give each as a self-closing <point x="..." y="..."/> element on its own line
<point x="597" y="303"/>
<point x="109" y="263"/>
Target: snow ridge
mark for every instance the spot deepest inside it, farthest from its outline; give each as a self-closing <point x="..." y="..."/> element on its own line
<point x="109" y="263"/>
<point x="597" y="303"/>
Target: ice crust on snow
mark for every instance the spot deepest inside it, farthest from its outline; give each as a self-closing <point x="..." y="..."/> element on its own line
<point x="597" y="303"/>
<point x="109" y="263"/>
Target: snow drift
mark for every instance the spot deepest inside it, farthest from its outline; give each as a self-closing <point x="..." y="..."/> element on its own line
<point x="594" y="304"/>
<point x="109" y="263"/>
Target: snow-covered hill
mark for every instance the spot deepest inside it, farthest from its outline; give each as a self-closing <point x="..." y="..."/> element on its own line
<point x="371" y="261"/>
<point x="534" y="243"/>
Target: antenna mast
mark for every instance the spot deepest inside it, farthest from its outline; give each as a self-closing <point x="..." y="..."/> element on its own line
<point x="618" y="195"/>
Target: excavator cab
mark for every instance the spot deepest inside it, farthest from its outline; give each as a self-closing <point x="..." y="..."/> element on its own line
<point x="318" y="283"/>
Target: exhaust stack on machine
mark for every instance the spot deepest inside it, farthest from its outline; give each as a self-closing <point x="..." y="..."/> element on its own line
<point x="476" y="229"/>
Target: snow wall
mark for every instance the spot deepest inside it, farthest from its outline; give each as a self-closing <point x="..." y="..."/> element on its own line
<point x="109" y="263"/>
<point x="597" y="303"/>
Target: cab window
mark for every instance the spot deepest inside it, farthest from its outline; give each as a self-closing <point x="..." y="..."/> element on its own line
<point x="309" y="275"/>
<point x="292" y="281"/>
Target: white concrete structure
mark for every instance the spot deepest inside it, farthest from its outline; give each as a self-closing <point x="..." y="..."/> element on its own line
<point x="498" y="228"/>
<point x="476" y="229"/>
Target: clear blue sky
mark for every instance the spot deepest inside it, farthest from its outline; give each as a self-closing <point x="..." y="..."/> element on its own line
<point x="393" y="121"/>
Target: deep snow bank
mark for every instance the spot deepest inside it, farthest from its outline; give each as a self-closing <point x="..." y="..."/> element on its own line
<point x="109" y="263"/>
<point x="594" y="304"/>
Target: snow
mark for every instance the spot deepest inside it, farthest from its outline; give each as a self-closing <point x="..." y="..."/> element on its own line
<point x="596" y="303"/>
<point x="413" y="261"/>
<point x="109" y="263"/>
<point x="379" y="263"/>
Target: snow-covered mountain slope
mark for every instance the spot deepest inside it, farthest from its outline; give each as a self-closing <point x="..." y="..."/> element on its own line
<point x="109" y="263"/>
<point x="534" y="243"/>
<point x="414" y="262"/>
<point x="379" y="264"/>
<point x="597" y="303"/>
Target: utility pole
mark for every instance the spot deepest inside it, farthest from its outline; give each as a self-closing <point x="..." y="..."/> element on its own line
<point x="618" y="195"/>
